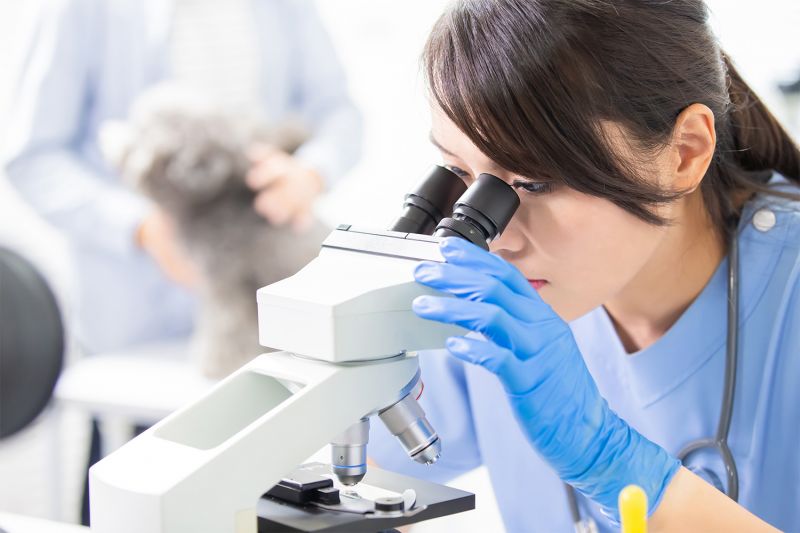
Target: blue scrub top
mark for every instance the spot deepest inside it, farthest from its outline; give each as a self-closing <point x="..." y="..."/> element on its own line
<point x="670" y="392"/>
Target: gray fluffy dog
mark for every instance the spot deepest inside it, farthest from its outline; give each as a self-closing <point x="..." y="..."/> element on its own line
<point x="190" y="158"/>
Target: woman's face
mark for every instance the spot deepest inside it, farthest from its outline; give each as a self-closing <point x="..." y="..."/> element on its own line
<point x="578" y="251"/>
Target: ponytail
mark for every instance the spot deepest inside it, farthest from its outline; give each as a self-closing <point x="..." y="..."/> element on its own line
<point x="751" y="145"/>
<point x="759" y="141"/>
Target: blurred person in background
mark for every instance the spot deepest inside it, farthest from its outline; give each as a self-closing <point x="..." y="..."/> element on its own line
<point x="88" y="60"/>
<point x="86" y="63"/>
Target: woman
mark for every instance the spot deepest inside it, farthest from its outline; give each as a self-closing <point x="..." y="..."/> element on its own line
<point x="640" y="156"/>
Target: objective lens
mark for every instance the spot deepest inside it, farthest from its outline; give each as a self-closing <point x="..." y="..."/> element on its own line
<point x="406" y="421"/>
<point x="481" y="213"/>
<point x="349" y="453"/>
<point x="429" y="202"/>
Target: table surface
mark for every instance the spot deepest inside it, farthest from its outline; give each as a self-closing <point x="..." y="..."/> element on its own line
<point x="12" y="523"/>
<point x="144" y="384"/>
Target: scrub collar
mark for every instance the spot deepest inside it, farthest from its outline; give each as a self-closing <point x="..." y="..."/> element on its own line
<point x="701" y="331"/>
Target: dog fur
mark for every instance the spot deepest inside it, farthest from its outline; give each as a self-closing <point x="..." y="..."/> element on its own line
<point x="190" y="158"/>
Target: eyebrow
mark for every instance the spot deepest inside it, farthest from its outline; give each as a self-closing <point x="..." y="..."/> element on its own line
<point x="494" y="166"/>
<point x="439" y="146"/>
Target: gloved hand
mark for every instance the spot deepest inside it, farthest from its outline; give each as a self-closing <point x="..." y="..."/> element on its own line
<point x="533" y="353"/>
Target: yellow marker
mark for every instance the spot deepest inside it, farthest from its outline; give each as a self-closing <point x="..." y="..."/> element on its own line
<point x="633" y="509"/>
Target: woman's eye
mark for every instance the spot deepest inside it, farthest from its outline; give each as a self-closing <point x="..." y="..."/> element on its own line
<point x="458" y="172"/>
<point x="534" y="187"/>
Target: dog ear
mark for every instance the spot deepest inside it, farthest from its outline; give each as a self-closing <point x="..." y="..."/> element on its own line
<point x="133" y="153"/>
<point x="116" y="141"/>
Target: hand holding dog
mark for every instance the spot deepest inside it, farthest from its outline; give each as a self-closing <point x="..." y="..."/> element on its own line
<point x="285" y="187"/>
<point x="156" y="236"/>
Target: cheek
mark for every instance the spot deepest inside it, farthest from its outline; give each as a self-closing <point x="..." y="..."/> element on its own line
<point x="588" y="248"/>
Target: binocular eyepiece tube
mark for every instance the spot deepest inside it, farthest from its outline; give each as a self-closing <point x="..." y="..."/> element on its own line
<point x="442" y="204"/>
<point x="429" y="202"/>
<point x="482" y="212"/>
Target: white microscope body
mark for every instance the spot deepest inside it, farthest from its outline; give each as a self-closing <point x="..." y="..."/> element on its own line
<point x="348" y="333"/>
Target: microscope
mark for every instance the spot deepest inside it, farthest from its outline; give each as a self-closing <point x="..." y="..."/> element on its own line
<point x="347" y="344"/>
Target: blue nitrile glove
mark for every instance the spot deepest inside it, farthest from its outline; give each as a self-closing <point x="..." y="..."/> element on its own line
<point x="552" y="394"/>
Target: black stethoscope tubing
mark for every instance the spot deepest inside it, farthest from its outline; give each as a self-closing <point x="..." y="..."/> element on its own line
<point x="719" y="442"/>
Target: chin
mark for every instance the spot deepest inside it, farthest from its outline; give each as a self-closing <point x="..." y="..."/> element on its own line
<point x="564" y="306"/>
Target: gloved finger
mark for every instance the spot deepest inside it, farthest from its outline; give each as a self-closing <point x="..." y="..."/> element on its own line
<point x="490" y="320"/>
<point x="497" y="360"/>
<point x="475" y="285"/>
<point x="463" y="253"/>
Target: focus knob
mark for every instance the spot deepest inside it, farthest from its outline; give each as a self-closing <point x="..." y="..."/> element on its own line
<point x="389" y="504"/>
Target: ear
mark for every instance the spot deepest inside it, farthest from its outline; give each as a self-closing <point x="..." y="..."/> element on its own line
<point x="694" y="140"/>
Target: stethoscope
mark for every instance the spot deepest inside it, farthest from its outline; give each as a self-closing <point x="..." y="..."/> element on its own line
<point x="718" y="443"/>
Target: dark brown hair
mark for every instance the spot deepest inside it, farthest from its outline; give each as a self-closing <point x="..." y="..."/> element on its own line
<point x="530" y="82"/>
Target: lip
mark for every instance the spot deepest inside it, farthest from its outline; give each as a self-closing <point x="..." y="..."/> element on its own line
<point x="537" y="283"/>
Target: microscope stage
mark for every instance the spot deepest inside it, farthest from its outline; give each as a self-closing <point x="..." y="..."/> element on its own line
<point x="432" y="501"/>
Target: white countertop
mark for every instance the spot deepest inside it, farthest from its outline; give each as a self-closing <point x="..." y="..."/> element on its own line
<point x="12" y="523"/>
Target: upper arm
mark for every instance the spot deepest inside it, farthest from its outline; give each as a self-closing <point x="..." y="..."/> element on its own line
<point x="51" y="81"/>
<point x="320" y="80"/>
<point x="691" y="504"/>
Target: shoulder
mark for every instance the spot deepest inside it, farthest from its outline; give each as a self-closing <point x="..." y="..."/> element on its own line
<point x="83" y="8"/>
<point x="87" y="19"/>
<point x="770" y="278"/>
<point x="769" y="240"/>
<point x="769" y="236"/>
<point x="292" y="8"/>
<point x="774" y="218"/>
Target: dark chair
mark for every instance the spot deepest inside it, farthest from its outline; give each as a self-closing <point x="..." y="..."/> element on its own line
<point x="31" y="343"/>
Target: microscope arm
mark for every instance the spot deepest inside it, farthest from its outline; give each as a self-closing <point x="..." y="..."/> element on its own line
<point x="203" y="468"/>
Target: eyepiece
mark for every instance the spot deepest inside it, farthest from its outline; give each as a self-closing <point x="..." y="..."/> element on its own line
<point x="482" y="212"/>
<point x="430" y="201"/>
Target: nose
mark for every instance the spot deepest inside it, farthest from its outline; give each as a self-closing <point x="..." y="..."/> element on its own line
<point x="511" y="243"/>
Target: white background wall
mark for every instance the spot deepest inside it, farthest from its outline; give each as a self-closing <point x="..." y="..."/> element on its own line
<point x="379" y="42"/>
